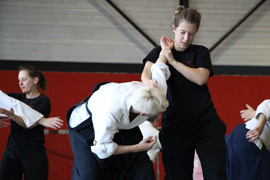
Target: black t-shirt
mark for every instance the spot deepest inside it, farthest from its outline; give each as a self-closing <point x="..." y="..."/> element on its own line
<point x="190" y="105"/>
<point x="24" y="142"/>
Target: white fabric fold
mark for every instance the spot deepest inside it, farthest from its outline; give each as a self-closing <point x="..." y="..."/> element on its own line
<point x="29" y="115"/>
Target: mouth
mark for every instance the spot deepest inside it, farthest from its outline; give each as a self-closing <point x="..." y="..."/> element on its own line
<point x="184" y="43"/>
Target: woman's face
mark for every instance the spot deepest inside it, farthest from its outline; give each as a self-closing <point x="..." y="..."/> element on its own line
<point x="184" y="35"/>
<point x="27" y="83"/>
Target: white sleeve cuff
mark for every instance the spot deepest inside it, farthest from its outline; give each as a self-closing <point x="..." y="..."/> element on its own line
<point x="160" y="72"/>
<point x="163" y="67"/>
<point x="104" y="150"/>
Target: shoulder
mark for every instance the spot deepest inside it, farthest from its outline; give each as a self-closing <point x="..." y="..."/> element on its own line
<point x="42" y="98"/>
<point x="19" y="96"/>
<point x="199" y="48"/>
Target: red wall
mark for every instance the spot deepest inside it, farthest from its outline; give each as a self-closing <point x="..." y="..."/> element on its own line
<point x="229" y="93"/>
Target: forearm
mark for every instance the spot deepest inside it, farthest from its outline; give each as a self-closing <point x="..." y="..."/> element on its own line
<point x="19" y="120"/>
<point x="126" y="149"/>
<point x="198" y="76"/>
<point x="261" y="122"/>
<point x="146" y="74"/>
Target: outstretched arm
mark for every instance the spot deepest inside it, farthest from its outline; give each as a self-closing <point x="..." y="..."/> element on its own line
<point x="22" y="114"/>
<point x="53" y="122"/>
<point x="10" y="113"/>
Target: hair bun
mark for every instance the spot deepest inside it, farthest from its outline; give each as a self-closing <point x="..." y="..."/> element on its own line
<point x="179" y="9"/>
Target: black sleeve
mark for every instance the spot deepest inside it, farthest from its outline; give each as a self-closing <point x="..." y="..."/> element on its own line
<point x="18" y="96"/>
<point x="43" y="106"/>
<point x="203" y="59"/>
<point x="152" y="55"/>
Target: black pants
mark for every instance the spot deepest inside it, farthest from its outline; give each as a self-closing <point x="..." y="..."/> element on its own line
<point x="33" y="168"/>
<point x="178" y="152"/>
<point x="130" y="166"/>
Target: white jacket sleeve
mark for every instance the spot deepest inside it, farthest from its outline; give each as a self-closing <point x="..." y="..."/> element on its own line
<point x="29" y="115"/>
<point x="264" y="108"/>
<point x="161" y="73"/>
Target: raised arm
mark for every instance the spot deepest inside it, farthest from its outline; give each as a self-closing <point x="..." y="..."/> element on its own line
<point x="146" y="77"/>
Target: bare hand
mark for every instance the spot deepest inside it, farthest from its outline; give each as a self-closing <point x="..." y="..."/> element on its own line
<point x="168" y="54"/>
<point x="3" y="123"/>
<point x="53" y="122"/>
<point x="248" y="113"/>
<point x="166" y="43"/>
<point x="9" y="113"/>
<point x="147" y="143"/>
<point x="254" y="134"/>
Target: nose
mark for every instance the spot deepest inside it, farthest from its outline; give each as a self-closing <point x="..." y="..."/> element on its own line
<point x="20" y="82"/>
<point x="186" y="37"/>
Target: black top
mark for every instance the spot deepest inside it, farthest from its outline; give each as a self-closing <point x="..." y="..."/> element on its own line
<point x="190" y="105"/>
<point x="24" y="142"/>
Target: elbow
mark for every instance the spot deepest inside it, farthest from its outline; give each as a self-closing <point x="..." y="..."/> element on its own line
<point x="201" y="81"/>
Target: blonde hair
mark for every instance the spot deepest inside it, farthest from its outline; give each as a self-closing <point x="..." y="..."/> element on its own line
<point x="149" y="101"/>
<point x="185" y="14"/>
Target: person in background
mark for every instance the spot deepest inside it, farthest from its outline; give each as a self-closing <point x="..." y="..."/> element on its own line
<point x="248" y="145"/>
<point x="25" y="154"/>
<point x="191" y="121"/>
<point x="150" y="128"/>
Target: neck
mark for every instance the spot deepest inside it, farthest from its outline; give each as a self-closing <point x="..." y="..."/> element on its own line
<point x="33" y="94"/>
<point x="133" y="113"/>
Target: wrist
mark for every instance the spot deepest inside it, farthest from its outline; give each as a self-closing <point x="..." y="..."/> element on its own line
<point x="12" y="117"/>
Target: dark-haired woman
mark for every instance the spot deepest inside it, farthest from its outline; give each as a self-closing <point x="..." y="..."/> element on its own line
<point x="25" y="154"/>
<point x="191" y="121"/>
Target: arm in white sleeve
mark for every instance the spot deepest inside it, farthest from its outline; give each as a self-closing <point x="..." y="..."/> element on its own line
<point x="263" y="108"/>
<point x="161" y="73"/>
<point x="29" y="115"/>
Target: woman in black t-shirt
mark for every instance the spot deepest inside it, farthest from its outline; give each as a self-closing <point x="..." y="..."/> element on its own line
<point x="191" y="121"/>
<point x="25" y="153"/>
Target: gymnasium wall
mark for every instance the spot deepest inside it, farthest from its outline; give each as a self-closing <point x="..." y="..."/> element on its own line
<point x="93" y="31"/>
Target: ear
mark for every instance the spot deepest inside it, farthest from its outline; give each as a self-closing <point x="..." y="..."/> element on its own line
<point x="173" y="28"/>
<point x="36" y="79"/>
